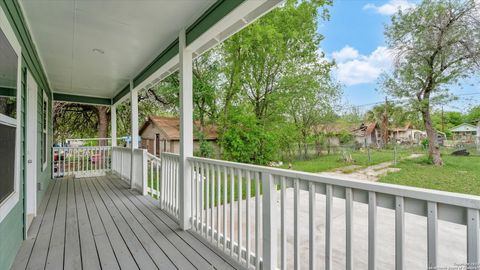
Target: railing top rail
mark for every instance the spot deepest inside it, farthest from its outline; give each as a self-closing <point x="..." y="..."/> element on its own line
<point x="150" y="156"/>
<point x="121" y="148"/>
<point x="172" y="155"/>
<point x="458" y="199"/>
<point x="80" y="147"/>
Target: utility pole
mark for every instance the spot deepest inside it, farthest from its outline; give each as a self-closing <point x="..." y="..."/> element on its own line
<point x="385" y="124"/>
<point x="443" y="121"/>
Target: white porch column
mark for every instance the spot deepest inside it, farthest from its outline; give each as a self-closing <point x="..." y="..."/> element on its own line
<point x="186" y="131"/>
<point x="113" y="122"/>
<point x="134" y="133"/>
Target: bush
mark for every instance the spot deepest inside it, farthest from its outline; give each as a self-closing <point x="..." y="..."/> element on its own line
<point x="245" y="140"/>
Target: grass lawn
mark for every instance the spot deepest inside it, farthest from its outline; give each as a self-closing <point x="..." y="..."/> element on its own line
<point x="334" y="161"/>
<point x="459" y="174"/>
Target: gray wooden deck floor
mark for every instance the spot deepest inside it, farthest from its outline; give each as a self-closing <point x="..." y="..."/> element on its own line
<point x="99" y="223"/>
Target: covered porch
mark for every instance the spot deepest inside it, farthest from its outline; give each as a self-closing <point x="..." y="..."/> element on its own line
<point x="111" y="207"/>
<point x="100" y="223"/>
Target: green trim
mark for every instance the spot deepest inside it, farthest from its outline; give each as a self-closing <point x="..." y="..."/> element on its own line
<point x="81" y="99"/>
<point x="161" y="60"/>
<point x="122" y="93"/>
<point x="214" y="14"/>
<point x="29" y="53"/>
<point x="8" y="92"/>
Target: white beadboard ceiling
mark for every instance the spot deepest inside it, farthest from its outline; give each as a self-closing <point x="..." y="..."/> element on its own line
<point x="71" y="35"/>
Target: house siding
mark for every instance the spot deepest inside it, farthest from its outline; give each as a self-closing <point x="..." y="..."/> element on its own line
<point x="12" y="229"/>
<point x="12" y="226"/>
<point x="43" y="176"/>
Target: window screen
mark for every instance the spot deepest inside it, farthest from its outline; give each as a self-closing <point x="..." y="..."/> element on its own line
<point x="7" y="161"/>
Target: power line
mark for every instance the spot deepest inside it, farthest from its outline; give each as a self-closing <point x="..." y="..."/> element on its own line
<point x="395" y="100"/>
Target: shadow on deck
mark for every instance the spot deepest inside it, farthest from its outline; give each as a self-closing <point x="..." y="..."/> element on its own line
<point x="99" y="223"/>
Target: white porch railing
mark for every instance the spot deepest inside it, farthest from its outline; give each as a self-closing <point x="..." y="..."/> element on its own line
<point x="81" y="161"/>
<point x="242" y="210"/>
<point x="223" y="223"/>
<point x="122" y="166"/>
<point x="163" y="182"/>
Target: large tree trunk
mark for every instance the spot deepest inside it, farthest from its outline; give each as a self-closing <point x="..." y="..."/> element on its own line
<point x="433" y="149"/>
<point x="102" y="124"/>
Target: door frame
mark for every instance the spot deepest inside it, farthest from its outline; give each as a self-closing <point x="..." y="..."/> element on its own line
<point x="31" y="150"/>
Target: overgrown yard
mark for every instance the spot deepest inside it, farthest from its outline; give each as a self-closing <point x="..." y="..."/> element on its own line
<point x="459" y="174"/>
<point x="360" y="159"/>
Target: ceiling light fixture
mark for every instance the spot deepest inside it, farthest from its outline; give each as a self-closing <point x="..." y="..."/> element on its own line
<point x="100" y="51"/>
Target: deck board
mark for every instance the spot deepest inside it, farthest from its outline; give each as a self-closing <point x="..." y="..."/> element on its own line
<point x="88" y="249"/>
<point x="186" y="240"/>
<point x="99" y="223"/>
<point x="72" y="259"/>
<point x="26" y="249"/>
<point x="104" y="248"/>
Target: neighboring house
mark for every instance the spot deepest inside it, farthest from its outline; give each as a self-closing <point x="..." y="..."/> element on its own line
<point x="404" y="134"/>
<point x="368" y="134"/>
<point x="464" y="133"/>
<point x="162" y="134"/>
<point x="478" y="134"/>
<point x="420" y="135"/>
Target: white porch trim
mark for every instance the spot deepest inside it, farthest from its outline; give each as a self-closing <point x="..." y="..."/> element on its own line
<point x="186" y="131"/>
<point x="113" y="122"/>
<point x="134" y="133"/>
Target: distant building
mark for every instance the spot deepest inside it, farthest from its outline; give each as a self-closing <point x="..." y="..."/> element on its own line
<point x="478" y="135"/>
<point x="162" y="134"/>
<point x="405" y="134"/>
<point x="368" y="134"/>
<point x="465" y="132"/>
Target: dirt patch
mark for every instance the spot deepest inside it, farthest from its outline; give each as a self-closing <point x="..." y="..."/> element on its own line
<point x="370" y="173"/>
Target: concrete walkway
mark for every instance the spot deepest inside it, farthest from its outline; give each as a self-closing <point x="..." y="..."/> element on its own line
<point x="452" y="237"/>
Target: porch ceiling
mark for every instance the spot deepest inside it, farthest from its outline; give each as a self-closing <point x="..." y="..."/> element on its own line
<point x="93" y="48"/>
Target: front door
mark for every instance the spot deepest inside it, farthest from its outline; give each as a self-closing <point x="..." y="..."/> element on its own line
<point x="31" y="147"/>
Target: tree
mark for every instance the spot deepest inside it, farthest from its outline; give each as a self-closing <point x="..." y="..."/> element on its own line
<point x="274" y="69"/>
<point x="473" y="115"/>
<point x="277" y="53"/>
<point x="435" y="46"/>
<point x="312" y="105"/>
<point x="72" y="120"/>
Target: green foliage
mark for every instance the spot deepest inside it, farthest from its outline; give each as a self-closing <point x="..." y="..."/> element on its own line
<point x="205" y="148"/>
<point x="424" y="143"/>
<point x="345" y="137"/>
<point x="247" y="141"/>
<point x="398" y="116"/>
<point x="435" y="45"/>
<point x="473" y="116"/>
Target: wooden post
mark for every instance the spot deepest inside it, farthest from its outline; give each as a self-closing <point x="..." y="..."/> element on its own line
<point x="186" y="131"/>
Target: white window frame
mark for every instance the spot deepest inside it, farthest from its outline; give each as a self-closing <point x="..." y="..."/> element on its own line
<point x="10" y="202"/>
<point x="45" y="131"/>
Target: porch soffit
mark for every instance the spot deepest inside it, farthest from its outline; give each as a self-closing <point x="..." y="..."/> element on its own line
<point x="92" y="49"/>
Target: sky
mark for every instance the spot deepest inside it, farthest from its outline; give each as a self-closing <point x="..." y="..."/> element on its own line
<point x="354" y="38"/>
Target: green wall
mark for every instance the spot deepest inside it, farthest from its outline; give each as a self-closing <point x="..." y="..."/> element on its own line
<point x="43" y="176"/>
<point x="12" y="226"/>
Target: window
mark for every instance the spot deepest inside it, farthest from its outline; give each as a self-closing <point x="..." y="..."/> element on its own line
<point x="10" y="120"/>
<point x="44" y="131"/>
